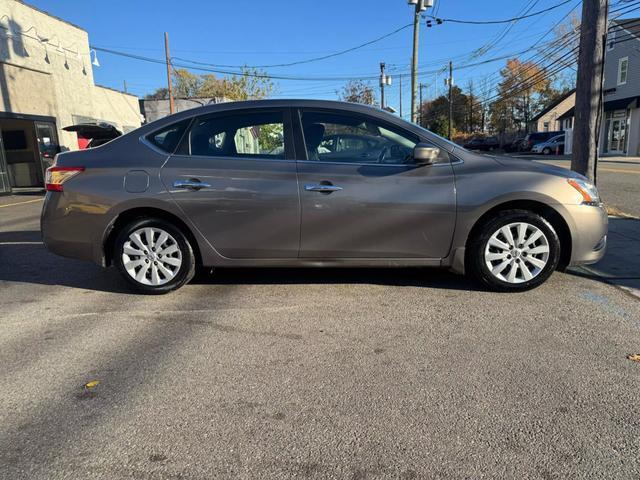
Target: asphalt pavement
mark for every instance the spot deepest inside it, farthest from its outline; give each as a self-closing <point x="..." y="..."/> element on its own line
<point x="274" y="373"/>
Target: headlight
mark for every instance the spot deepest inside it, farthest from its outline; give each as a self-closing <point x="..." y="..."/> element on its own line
<point x="587" y="189"/>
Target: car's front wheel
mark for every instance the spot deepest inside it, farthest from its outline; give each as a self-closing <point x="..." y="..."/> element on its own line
<point x="154" y="256"/>
<point x="546" y="151"/>
<point x="515" y="251"/>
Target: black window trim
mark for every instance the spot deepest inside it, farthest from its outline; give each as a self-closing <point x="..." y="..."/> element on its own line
<point x="184" y="149"/>
<point x="301" y="144"/>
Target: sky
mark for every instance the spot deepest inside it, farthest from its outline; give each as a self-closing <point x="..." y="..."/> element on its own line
<point x="234" y="32"/>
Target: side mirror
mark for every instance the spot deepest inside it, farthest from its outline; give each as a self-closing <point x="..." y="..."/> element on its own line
<point x="425" y="154"/>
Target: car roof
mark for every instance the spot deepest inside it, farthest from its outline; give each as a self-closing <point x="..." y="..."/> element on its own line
<point x="334" y="105"/>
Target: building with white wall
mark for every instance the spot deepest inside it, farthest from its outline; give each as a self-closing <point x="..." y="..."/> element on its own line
<point x="46" y="83"/>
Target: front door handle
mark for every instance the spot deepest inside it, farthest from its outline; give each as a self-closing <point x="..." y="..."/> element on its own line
<point x="192" y="184"/>
<point x="322" y="188"/>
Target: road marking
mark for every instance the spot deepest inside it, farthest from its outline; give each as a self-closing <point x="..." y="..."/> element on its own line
<point x="619" y="170"/>
<point x="21" y="203"/>
<point x="20" y="243"/>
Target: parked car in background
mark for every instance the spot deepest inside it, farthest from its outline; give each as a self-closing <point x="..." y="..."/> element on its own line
<point x="483" y="143"/>
<point x="516" y="146"/>
<point x="554" y="145"/>
<point x="538" y="137"/>
<point x="253" y="184"/>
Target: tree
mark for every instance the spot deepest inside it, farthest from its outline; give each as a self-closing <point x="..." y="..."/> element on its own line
<point x="523" y="88"/>
<point x="563" y="50"/>
<point x="161" y="93"/>
<point x="357" y="91"/>
<point x="248" y="85"/>
<point x="251" y="84"/>
<point x="186" y="84"/>
<point x="434" y="114"/>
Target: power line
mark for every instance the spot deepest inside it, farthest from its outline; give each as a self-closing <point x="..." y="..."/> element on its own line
<point x="309" y="60"/>
<point x="507" y="20"/>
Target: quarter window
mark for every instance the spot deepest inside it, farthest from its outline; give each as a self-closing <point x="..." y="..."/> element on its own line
<point x="345" y="138"/>
<point x="249" y="135"/>
<point x="167" y="139"/>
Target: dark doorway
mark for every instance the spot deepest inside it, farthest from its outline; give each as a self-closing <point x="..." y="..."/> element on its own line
<point x="27" y="149"/>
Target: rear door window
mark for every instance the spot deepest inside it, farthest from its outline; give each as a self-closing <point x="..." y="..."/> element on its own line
<point x="241" y="135"/>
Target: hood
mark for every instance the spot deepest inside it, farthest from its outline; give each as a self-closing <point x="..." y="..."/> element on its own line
<point x="533" y="166"/>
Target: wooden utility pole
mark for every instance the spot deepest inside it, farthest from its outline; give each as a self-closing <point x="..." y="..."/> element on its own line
<point x="588" y="108"/>
<point x="421" y="86"/>
<point x="383" y="81"/>
<point x="419" y="7"/>
<point x="400" y="82"/>
<point x="168" y="59"/>
<point x="450" y="97"/>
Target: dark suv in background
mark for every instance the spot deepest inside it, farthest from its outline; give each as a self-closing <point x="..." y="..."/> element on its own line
<point x="483" y="143"/>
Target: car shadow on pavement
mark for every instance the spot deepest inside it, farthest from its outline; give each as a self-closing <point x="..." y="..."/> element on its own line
<point x="25" y="260"/>
<point x="396" y="277"/>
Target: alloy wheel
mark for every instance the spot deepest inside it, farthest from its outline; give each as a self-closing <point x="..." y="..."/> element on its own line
<point x="151" y="256"/>
<point x="517" y="252"/>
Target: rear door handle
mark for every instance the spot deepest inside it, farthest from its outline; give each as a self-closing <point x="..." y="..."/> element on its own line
<point x="191" y="184"/>
<point x="322" y="188"/>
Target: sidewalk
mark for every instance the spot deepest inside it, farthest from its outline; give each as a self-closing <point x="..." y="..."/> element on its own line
<point x="601" y="159"/>
<point x="621" y="264"/>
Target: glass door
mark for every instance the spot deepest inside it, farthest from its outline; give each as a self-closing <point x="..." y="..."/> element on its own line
<point x="5" y="185"/>
<point x="614" y="140"/>
<point x="47" y="143"/>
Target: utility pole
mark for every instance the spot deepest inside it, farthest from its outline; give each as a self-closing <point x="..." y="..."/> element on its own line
<point x="420" y="86"/>
<point x="420" y="6"/>
<point x="168" y="58"/>
<point x="593" y="32"/>
<point x="125" y="86"/>
<point x="382" y="82"/>
<point x="385" y="80"/>
<point x="470" y="106"/>
<point x="400" y="84"/>
<point x="450" y="82"/>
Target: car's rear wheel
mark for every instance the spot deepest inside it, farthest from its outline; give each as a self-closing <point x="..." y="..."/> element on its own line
<point x="515" y="251"/>
<point x="154" y="256"/>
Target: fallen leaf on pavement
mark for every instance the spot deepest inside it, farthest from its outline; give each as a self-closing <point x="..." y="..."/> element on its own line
<point x="92" y="384"/>
<point x="634" y="357"/>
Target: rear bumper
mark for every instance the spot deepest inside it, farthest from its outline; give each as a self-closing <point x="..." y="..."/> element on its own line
<point x="588" y="232"/>
<point x="68" y="231"/>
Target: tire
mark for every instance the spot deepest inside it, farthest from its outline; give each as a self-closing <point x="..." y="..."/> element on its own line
<point x="518" y="268"/>
<point x="546" y="151"/>
<point x="151" y="271"/>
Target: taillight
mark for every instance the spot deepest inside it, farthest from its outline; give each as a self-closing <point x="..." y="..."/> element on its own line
<point x="56" y="176"/>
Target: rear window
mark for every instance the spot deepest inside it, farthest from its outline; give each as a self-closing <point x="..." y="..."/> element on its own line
<point x="168" y="138"/>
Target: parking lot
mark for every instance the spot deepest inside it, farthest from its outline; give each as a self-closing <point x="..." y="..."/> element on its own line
<point x="310" y="374"/>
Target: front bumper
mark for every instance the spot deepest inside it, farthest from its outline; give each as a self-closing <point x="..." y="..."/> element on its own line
<point x="589" y="226"/>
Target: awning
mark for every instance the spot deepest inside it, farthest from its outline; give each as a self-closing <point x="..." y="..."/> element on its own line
<point x="619" y="104"/>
